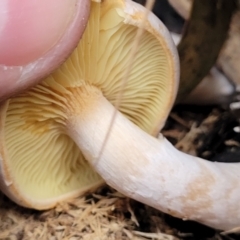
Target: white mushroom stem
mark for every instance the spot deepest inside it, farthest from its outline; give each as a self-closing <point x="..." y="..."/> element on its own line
<point x="152" y="171"/>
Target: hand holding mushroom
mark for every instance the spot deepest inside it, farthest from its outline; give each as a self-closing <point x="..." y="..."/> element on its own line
<point x="35" y="38"/>
<point x="50" y="134"/>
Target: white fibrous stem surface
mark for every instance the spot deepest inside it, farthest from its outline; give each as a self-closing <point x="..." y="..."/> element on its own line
<point x="152" y="171"/>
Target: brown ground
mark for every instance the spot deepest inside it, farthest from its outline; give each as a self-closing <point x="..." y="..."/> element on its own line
<point x="106" y="214"/>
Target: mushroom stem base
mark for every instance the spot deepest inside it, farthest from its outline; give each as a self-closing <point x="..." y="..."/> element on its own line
<point x="152" y="171"/>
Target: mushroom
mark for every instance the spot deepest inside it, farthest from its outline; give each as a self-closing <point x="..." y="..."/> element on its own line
<point x="40" y="164"/>
<point x="132" y="161"/>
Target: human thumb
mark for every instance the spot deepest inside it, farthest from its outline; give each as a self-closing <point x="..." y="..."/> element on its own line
<point x="35" y="38"/>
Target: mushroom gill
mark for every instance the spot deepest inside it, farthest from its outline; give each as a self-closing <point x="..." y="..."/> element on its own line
<point x="40" y="164"/>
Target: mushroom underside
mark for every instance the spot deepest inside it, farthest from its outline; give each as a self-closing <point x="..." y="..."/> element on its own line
<point x="38" y="155"/>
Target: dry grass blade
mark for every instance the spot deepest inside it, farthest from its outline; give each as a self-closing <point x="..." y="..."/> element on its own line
<point x="234" y="230"/>
<point x="149" y="6"/>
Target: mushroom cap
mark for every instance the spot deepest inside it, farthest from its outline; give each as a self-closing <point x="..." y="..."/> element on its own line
<point x="40" y="164"/>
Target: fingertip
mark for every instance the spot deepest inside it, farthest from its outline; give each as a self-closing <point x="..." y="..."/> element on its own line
<point x="29" y="28"/>
<point x="21" y="66"/>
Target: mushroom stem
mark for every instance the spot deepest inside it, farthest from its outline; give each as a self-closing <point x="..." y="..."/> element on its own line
<point x="152" y="171"/>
